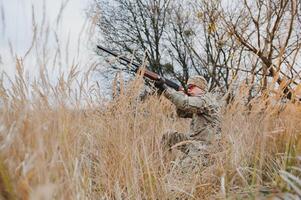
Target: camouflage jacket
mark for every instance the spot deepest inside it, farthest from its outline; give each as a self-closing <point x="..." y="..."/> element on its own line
<point x="204" y="111"/>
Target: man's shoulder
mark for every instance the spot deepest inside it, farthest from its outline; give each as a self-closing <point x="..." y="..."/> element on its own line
<point x="212" y="99"/>
<point x="205" y="100"/>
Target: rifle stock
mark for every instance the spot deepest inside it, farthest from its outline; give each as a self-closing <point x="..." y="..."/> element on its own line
<point x="147" y="73"/>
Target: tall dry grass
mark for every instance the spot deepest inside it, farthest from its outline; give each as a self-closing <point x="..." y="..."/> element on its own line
<point x="53" y="149"/>
<point x="62" y="140"/>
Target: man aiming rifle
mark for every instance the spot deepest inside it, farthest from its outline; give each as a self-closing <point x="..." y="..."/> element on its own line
<point x="196" y="103"/>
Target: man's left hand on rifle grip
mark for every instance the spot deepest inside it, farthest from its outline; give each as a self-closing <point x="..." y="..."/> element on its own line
<point x="160" y="84"/>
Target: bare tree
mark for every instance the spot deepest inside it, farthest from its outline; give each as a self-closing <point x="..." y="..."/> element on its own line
<point x="269" y="31"/>
<point x="163" y="29"/>
<point x="180" y="35"/>
<point x="135" y="25"/>
<point x="252" y="40"/>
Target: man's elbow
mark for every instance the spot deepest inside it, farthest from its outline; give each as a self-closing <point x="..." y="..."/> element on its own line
<point x="184" y="114"/>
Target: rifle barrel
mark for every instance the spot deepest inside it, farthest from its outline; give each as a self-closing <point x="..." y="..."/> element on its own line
<point x="147" y="73"/>
<point x="128" y="61"/>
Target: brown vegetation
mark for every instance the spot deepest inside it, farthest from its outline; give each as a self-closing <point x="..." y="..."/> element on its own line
<point x="62" y="140"/>
<point x="113" y="150"/>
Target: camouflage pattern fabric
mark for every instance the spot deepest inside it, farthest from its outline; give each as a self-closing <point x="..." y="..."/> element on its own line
<point x="199" y="81"/>
<point x="204" y="111"/>
<point x="195" y="147"/>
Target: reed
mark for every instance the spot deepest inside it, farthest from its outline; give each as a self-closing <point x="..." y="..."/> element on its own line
<point x="61" y="139"/>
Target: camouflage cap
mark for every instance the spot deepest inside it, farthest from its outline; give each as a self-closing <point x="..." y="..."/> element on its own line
<point x="199" y="81"/>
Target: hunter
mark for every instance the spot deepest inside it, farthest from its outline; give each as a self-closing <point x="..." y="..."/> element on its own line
<point x="204" y="109"/>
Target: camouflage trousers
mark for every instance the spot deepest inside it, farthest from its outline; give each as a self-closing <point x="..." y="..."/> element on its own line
<point x="194" y="149"/>
<point x="186" y="164"/>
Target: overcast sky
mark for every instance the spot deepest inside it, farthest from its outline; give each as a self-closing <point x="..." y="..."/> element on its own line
<point x="16" y="25"/>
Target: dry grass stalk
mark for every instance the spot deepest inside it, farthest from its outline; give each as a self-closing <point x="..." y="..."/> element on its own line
<point x="113" y="150"/>
<point x="61" y="140"/>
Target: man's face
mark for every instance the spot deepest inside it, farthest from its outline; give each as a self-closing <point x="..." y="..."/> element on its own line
<point x="193" y="90"/>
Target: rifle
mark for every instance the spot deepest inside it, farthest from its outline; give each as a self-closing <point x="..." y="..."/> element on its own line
<point x="147" y="73"/>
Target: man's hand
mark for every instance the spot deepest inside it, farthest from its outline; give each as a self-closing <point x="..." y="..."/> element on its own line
<point x="160" y="84"/>
<point x="182" y="90"/>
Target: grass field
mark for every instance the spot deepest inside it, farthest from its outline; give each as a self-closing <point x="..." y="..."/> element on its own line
<point x="61" y="139"/>
<point x="52" y="148"/>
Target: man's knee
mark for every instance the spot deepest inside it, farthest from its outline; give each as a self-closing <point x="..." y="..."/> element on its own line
<point x="170" y="139"/>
